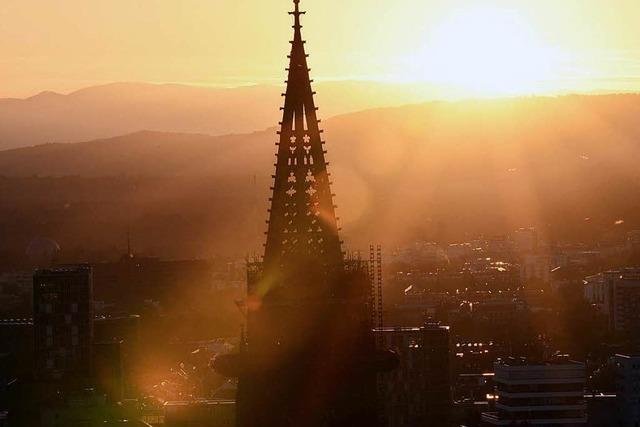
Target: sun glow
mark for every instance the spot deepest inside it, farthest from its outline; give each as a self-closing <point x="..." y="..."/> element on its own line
<point x="487" y="51"/>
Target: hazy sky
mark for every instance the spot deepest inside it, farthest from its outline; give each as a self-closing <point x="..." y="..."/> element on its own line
<point x="64" y="45"/>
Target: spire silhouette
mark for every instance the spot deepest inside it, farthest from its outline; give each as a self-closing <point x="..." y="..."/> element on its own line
<point x="306" y="357"/>
<point x="302" y="222"/>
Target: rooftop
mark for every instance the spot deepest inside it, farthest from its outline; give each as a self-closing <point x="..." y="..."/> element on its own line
<point x="426" y="326"/>
<point x="199" y="402"/>
<point x="16" y="322"/>
<point x="67" y="268"/>
<point x="628" y="356"/>
<point x="523" y="361"/>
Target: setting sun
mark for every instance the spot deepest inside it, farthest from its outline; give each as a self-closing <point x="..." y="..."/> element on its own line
<point x="486" y="52"/>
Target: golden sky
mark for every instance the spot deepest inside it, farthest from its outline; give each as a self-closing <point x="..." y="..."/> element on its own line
<point x="482" y="47"/>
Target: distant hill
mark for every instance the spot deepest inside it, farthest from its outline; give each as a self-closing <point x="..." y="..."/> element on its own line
<point x="144" y="153"/>
<point x="120" y="108"/>
<point x="567" y="165"/>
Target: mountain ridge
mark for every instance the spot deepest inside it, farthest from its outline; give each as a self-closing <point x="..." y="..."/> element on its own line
<point x="123" y="107"/>
<point x="440" y="170"/>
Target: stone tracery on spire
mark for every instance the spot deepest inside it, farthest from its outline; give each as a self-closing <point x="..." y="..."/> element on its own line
<point x="302" y="223"/>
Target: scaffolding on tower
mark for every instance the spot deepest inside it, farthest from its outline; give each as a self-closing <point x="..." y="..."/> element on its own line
<point x="375" y="279"/>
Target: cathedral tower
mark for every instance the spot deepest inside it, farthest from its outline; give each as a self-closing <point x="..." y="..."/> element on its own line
<point x="308" y="356"/>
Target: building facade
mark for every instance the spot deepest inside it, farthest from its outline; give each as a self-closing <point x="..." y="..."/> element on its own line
<point x="132" y="280"/>
<point x="63" y="323"/>
<point x="549" y="394"/>
<point x="525" y="240"/>
<point x="418" y="392"/>
<point x="616" y="294"/>
<point x="200" y="413"/>
<point x="535" y="267"/>
<point x="627" y="390"/>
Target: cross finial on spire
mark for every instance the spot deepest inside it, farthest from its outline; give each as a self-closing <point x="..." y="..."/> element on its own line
<point x="296" y="13"/>
<point x="296" y="8"/>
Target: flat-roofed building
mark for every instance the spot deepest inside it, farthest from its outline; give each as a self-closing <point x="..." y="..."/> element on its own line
<point x="549" y="393"/>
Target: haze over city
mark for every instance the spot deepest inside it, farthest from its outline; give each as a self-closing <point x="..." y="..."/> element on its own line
<point x="319" y="213"/>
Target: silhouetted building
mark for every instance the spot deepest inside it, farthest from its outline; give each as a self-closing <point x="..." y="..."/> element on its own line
<point x="16" y="342"/>
<point x="633" y="246"/>
<point x="491" y="275"/>
<point x="124" y="330"/>
<point x="16" y="297"/>
<point x="5" y="378"/>
<point x="535" y="267"/>
<point x="200" y="413"/>
<point x="309" y="357"/>
<point x="525" y="240"/>
<point x="476" y="357"/>
<point x="108" y="369"/>
<point x="499" y="312"/>
<point x="468" y="413"/>
<point x="600" y="409"/>
<point x="457" y="252"/>
<point x="132" y="280"/>
<point x="616" y="294"/>
<point x="63" y="322"/>
<point x="473" y="387"/>
<point x="538" y="393"/>
<point x="79" y="407"/>
<point x="627" y="390"/>
<point x="117" y="327"/>
<point x="418" y="392"/>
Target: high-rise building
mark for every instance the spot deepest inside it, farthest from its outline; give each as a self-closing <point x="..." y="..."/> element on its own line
<point x="525" y="240"/>
<point x="633" y="240"/>
<point x="616" y="294"/>
<point x="627" y="390"/>
<point x="309" y="356"/>
<point x="63" y="323"/>
<point x="547" y="393"/>
<point x="536" y="267"/>
<point x="418" y="392"/>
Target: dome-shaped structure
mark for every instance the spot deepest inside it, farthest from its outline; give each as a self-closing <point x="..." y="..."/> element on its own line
<point x="42" y="251"/>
